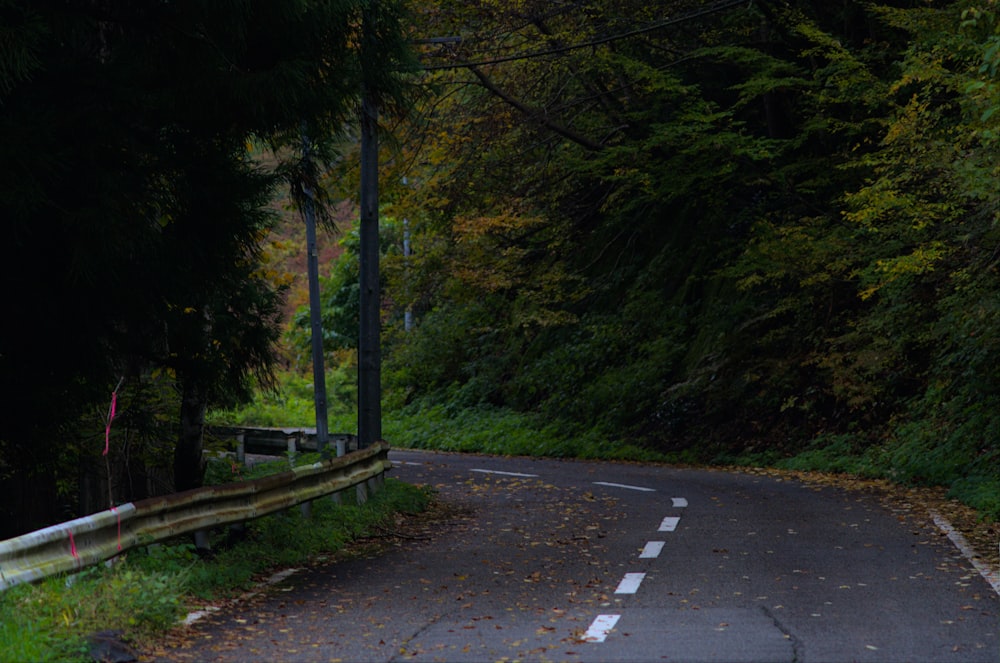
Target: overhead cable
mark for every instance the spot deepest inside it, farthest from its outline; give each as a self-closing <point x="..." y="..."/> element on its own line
<point x="711" y="9"/>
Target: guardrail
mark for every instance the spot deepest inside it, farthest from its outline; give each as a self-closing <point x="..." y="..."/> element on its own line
<point x="277" y="441"/>
<point x="74" y="545"/>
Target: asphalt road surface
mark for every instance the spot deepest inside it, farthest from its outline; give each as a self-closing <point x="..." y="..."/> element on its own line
<point x="545" y="560"/>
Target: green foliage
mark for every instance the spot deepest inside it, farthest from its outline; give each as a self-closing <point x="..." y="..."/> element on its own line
<point x="29" y="632"/>
<point x="838" y="453"/>
<point x="768" y="236"/>
<point x="340" y="298"/>
<point x="982" y="492"/>
<point x="440" y="356"/>
<point x="502" y="432"/>
<point x="291" y="402"/>
<point x="482" y="430"/>
<point x="774" y="233"/>
<point x="340" y="302"/>
<point x="51" y="620"/>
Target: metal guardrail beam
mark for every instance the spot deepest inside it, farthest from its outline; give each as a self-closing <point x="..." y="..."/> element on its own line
<point x="74" y="545"/>
<point x="275" y="441"/>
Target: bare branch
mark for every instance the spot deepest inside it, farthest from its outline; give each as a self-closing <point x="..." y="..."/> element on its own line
<point x="537" y="116"/>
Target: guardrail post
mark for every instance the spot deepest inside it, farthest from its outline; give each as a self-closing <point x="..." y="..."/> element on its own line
<point x="201" y="542"/>
<point x="362" y="492"/>
<point x="238" y="531"/>
<point x="293" y="447"/>
<point x="241" y="449"/>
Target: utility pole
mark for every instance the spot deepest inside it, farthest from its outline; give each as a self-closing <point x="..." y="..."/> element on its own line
<point x="407" y="251"/>
<point x="315" y="314"/>
<point x="369" y="342"/>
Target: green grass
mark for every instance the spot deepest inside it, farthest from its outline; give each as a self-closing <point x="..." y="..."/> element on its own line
<point x="292" y="405"/>
<point x="152" y="587"/>
<point x="435" y="426"/>
<point x="502" y="432"/>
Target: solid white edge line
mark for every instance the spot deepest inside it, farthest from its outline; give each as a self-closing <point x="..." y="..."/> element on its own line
<point x="600" y="628"/>
<point x="652" y="550"/>
<point x="626" y="486"/>
<point x="669" y="524"/>
<point x="630" y="583"/>
<point x="506" y="474"/>
<point x="679" y="502"/>
<point x="991" y="576"/>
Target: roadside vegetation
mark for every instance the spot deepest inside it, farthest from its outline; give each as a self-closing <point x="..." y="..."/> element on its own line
<point x="148" y="590"/>
<point x="430" y="424"/>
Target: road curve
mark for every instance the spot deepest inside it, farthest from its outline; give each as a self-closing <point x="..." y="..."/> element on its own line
<point x="547" y="560"/>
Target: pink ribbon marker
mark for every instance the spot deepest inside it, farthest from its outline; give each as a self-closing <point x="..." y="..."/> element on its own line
<point x="72" y="544"/>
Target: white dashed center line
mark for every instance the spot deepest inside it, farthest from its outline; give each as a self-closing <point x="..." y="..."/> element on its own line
<point x="506" y="474"/>
<point x="599" y="630"/>
<point x="679" y="502"/>
<point x="625" y="486"/>
<point x="652" y="550"/>
<point x="630" y="583"/>
<point x="669" y="524"/>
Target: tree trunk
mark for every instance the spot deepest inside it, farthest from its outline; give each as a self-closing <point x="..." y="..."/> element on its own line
<point x="189" y="464"/>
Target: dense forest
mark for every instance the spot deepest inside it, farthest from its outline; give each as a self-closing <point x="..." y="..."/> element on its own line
<point x="721" y="231"/>
<point x="718" y="230"/>
<point x="137" y="209"/>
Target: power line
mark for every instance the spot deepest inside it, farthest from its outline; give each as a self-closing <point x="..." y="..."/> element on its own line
<point x="717" y="7"/>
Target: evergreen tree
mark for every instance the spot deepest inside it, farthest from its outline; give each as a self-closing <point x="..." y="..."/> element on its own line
<point x="133" y="209"/>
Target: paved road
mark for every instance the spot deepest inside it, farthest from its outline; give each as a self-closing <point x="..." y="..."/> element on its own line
<point x="545" y="560"/>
